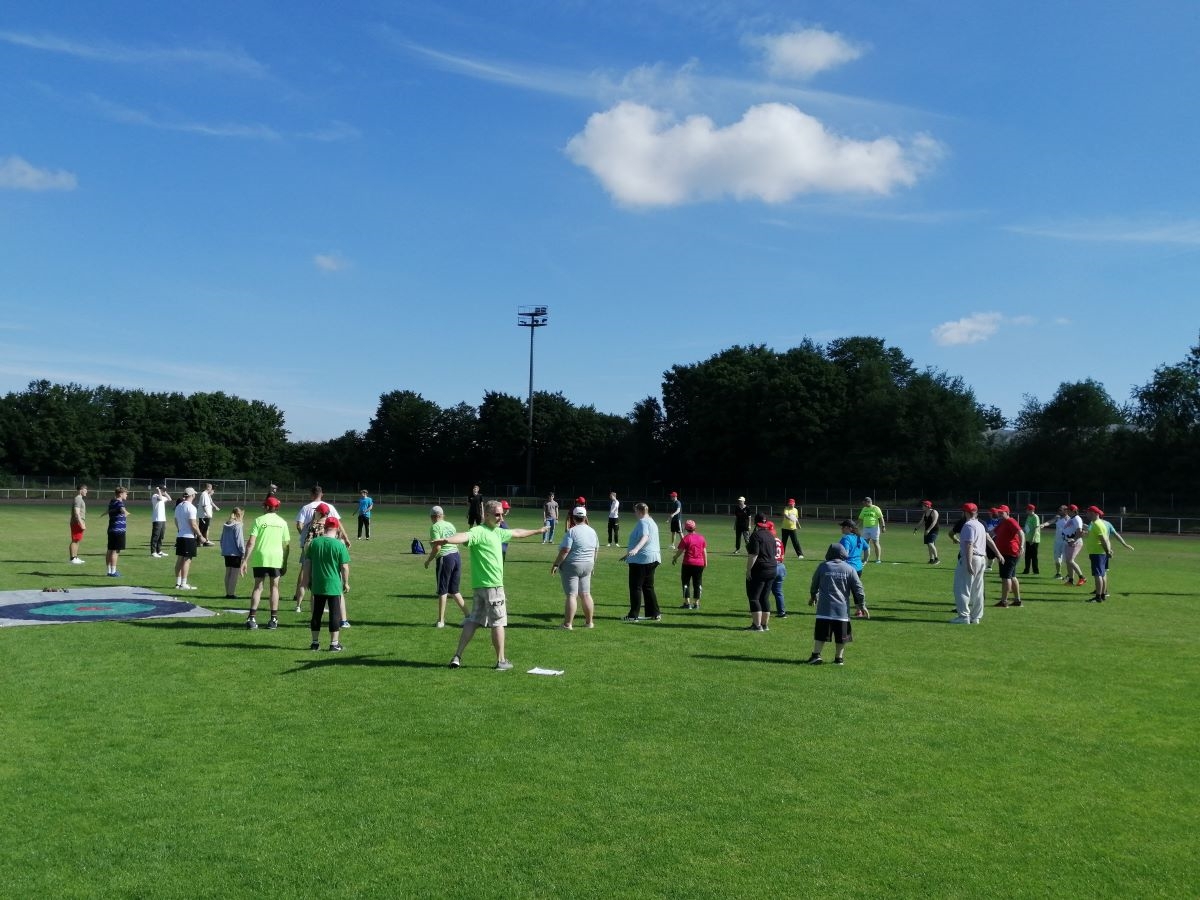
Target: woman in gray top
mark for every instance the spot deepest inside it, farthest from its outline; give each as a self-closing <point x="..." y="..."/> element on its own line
<point x="574" y="564"/>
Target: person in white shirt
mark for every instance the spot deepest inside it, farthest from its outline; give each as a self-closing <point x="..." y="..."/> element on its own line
<point x="205" y="512"/>
<point x="185" y="542"/>
<point x="158" y="520"/>
<point x="614" y="520"/>
<point x="304" y="520"/>
<point x="1073" y="532"/>
<point x="974" y="542"/>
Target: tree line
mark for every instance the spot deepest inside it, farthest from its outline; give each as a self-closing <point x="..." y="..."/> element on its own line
<point x="853" y="411"/>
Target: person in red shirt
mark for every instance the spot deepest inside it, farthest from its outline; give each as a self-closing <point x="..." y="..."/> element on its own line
<point x="1010" y="541"/>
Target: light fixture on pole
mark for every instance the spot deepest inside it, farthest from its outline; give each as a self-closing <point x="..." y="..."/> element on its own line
<point x="531" y="317"/>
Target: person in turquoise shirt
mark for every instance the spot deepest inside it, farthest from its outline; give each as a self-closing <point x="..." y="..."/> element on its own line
<point x="365" y="505"/>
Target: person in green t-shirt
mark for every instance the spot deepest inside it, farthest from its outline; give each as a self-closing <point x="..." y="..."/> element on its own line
<point x="449" y="564"/>
<point x="486" y="544"/>
<point x="870" y="518"/>
<point x="328" y="576"/>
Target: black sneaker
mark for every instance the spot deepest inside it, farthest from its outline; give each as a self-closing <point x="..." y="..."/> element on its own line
<point x="273" y="624"/>
<point x="251" y="623"/>
<point x="815" y="660"/>
<point x="838" y="661"/>
<point x="781" y="615"/>
<point x="336" y="648"/>
<point x="629" y="618"/>
<point x="315" y="645"/>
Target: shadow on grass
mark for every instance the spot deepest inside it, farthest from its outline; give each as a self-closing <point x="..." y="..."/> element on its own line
<point x="238" y="646"/>
<point x="190" y="622"/>
<point x="738" y="657"/>
<point x="371" y="661"/>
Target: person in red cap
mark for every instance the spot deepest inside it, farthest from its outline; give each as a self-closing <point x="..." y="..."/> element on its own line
<point x="267" y="555"/>
<point x="694" y="550"/>
<point x="1010" y="541"/>
<point x="760" y="573"/>
<point x="929" y="529"/>
<point x="316" y="508"/>
<point x="327" y="572"/>
<point x="676" y="514"/>
<point x="1073" y="535"/>
<point x="791" y="527"/>
<point x="974" y="543"/>
<point x="1099" y="550"/>
<point x="1032" y="526"/>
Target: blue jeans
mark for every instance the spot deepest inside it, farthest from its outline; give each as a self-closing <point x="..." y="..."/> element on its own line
<point x="777" y="588"/>
<point x="548" y="537"/>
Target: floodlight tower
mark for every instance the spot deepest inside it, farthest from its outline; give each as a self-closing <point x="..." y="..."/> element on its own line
<point x="533" y="318"/>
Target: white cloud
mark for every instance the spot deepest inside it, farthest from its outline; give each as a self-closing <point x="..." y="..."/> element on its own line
<point x="1117" y="230"/>
<point x="643" y="157"/>
<point x="1062" y="320"/>
<point x="330" y="262"/>
<point x="217" y="59"/>
<point x="970" y="330"/>
<point x="18" y="175"/>
<point x="802" y="54"/>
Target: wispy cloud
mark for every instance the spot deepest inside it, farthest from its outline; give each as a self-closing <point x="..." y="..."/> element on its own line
<point x="804" y="53"/>
<point x="775" y="152"/>
<point x="16" y="174"/>
<point x="1117" y="230"/>
<point x="257" y="131"/>
<point x="977" y="328"/>
<point x="232" y="61"/>
<point x="331" y="262"/>
<point x="683" y="88"/>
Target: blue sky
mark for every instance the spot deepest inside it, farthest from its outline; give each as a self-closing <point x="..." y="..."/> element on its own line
<point x="312" y="204"/>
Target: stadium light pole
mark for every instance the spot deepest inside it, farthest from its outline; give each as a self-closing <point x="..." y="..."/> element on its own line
<point x="533" y="318"/>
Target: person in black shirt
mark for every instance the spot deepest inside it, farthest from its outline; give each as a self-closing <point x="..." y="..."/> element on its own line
<point x="474" y="507"/>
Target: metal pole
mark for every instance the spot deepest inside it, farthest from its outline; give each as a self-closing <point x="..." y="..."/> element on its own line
<point x="529" y="455"/>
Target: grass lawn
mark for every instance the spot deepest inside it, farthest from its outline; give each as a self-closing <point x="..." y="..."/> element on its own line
<point x="1051" y="751"/>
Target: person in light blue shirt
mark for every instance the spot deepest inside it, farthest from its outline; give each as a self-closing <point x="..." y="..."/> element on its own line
<point x="365" y="505"/>
<point x="643" y="556"/>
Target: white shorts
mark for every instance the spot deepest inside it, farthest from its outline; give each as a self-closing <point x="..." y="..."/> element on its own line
<point x="871" y="533"/>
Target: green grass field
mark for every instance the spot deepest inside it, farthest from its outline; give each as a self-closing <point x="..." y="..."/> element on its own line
<point x="1049" y="752"/>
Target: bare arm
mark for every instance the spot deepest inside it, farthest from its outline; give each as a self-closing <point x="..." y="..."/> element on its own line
<point x="528" y="532"/>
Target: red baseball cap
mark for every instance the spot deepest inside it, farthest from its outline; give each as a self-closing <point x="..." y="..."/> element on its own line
<point x="322" y="509"/>
<point x="271" y="503"/>
<point x="673" y="494"/>
<point x="1095" y="509"/>
<point x="332" y="523"/>
<point x="791" y="501"/>
<point x="927" y="503"/>
<point x="1004" y="509"/>
<point x="970" y="507"/>
<point x="1031" y="507"/>
<point x="1073" y="508"/>
<point x="580" y="501"/>
<point x="504" y="504"/>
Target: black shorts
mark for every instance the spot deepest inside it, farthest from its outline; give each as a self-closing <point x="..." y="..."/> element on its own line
<point x="185" y="547"/>
<point x="832" y="630"/>
<point x="449" y="573"/>
<point x="267" y="572"/>
<point x="675" y="526"/>
<point x="931" y="536"/>
<point x="1008" y="566"/>
<point x="233" y="562"/>
<point x="116" y="540"/>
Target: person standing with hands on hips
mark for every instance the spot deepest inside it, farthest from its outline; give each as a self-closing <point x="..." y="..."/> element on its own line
<point x="870" y="517"/>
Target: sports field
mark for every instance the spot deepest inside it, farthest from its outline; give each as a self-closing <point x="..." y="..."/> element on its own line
<point x="1050" y="752"/>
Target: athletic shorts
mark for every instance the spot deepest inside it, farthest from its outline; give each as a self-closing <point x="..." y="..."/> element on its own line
<point x="267" y="572"/>
<point x="185" y="547"/>
<point x="1099" y="564"/>
<point x="871" y="533"/>
<point x="576" y="579"/>
<point x="76" y="534"/>
<point x="116" y="540"/>
<point x="489" y="608"/>
<point x="931" y="536"/>
<point x="675" y="526"/>
<point x="449" y="573"/>
<point x="832" y="630"/>
<point x="1008" y="566"/>
<point x="233" y="562"/>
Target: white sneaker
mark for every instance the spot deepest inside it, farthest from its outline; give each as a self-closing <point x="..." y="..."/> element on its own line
<point x="960" y="620"/>
<point x="77" y="561"/>
<point x="187" y="587"/>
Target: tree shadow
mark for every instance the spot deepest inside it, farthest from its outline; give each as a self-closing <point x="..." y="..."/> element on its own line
<point x="371" y="661"/>
<point x="739" y="657"/>
<point x="237" y="646"/>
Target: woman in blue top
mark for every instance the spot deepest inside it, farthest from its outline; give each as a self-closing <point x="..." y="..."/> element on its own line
<point x="643" y="556"/>
<point x="856" y="554"/>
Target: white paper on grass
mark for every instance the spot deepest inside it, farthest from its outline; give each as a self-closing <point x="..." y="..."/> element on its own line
<point x="538" y="670"/>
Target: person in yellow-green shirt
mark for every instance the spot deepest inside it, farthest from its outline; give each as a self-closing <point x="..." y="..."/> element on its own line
<point x="870" y="517"/>
<point x="1098" y="546"/>
<point x="791" y="528"/>
<point x="1032" y="526"/>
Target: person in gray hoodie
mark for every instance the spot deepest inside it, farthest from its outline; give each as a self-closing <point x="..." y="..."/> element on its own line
<point x="834" y="582"/>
